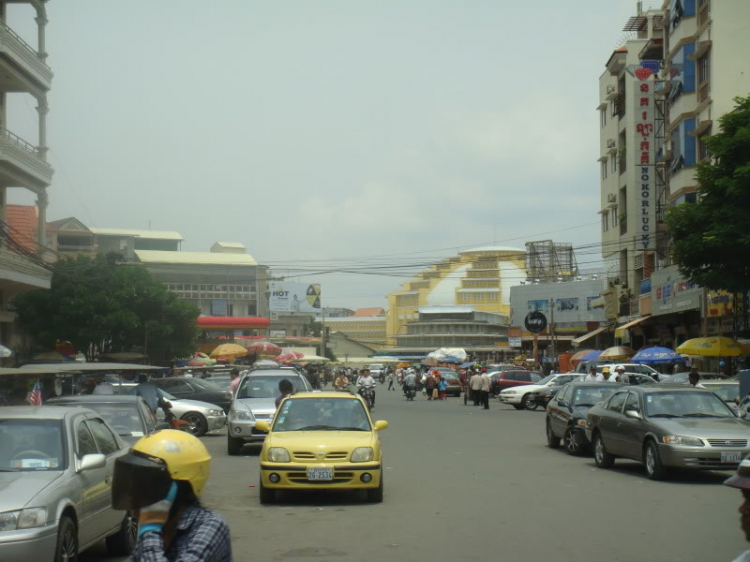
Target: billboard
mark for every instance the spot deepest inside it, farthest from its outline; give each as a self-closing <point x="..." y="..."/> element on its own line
<point x="293" y="298"/>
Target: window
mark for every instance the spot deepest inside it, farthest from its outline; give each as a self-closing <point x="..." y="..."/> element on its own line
<point x="615" y="403"/>
<point x="86" y="443"/>
<point x="614" y="216"/>
<point x="520" y="377"/>
<point x="605" y="221"/>
<point x="104" y="438"/>
<point x="614" y="164"/>
<point x="230" y="310"/>
<point x="633" y="403"/>
<point x="703" y="152"/>
<point x="704" y="68"/>
<point x="604" y="169"/>
<point x="603" y="117"/>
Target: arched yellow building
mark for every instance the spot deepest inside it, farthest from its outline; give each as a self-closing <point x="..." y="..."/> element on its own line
<point x="479" y="277"/>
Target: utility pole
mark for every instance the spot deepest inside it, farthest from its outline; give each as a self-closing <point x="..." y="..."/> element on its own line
<point x="323" y="332"/>
<point x="553" y="342"/>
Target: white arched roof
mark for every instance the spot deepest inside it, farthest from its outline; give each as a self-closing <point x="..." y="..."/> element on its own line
<point x="444" y="293"/>
<point x="492" y="248"/>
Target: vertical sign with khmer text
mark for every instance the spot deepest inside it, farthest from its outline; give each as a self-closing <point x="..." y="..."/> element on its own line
<point x="643" y="100"/>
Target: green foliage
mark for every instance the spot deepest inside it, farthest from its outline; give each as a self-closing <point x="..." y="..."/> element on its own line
<point x="101" y="307"/>
<point x="711" y="238"/>
<point x="313" y="329"/>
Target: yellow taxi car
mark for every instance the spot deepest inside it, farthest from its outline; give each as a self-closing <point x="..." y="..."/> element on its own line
<point x="321" y="440"/>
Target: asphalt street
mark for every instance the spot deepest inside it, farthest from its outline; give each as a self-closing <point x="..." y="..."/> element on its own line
<point x="463" y="483"/>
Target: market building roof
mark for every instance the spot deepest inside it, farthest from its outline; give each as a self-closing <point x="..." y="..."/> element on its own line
<point x="374" y="311"/>
<point x="194" y="258"/>
<point x="150" y="234"/>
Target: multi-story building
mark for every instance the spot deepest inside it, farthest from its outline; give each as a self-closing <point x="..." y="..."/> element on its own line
<point x="23" y="164"/>
<point x="479" y="278"/>
<point x="366" y="326"/>
<point x="690" y="52"/>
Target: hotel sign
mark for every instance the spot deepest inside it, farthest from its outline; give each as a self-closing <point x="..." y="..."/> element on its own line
<point x="644" y="139"/>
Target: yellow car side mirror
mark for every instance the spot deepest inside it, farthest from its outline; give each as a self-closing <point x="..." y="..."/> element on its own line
<point x="378" y="425"/>
<point x="262" y="425"/>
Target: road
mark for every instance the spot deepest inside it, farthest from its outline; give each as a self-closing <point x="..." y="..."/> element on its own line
<point x="466" y="484"/>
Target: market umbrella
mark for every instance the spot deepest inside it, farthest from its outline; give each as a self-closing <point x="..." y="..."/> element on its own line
<point x="229" y="350"/>
<point x="581" y="356"/>
<point x="264" y="348"/>
<point x="712" y="347"/>
<point x="592" y="355"/>
<point x="290" y="356"/>
<point x="197" y="362"/>
<point x="617" y="353"/>
<point x="311" y="359"/>
<point x="656" y="356"/>
<point x="50" y="357"/>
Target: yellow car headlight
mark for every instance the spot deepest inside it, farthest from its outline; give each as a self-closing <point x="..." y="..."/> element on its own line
<point x="278" y="454"/>
<point x="362" y="454"/>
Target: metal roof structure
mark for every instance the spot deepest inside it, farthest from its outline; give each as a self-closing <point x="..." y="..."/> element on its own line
<point x="148" y="234"/>
<point x="194" y="258"/>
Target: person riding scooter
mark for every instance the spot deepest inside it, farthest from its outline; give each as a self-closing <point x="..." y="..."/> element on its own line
<point x="365" y="381"/>
<point x="410" y="385"/>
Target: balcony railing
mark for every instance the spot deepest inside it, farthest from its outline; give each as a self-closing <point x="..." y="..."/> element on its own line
<point x="18" y="141"/>
<point x="29" y="58"/>
<point x="70" y="248"/>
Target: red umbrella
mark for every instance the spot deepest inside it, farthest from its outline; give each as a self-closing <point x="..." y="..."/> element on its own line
<point x="290" y="356"/>
<point x="264" y="348"/>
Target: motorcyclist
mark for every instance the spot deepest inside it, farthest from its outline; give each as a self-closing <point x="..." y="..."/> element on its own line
<point x="341" y="382"/>
<point x="365" y="380"/>
<point x="741" y="481"/>
<point x="410" y="382"/>
<point x="160" y="480"/>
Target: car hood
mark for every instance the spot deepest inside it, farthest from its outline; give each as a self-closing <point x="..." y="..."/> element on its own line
<point x="183" y="406"/>
<point x="321" y="440"/>
<point x="729" y="428"/>
<point x="17" y="489"/>
<point x="255" y="404"/>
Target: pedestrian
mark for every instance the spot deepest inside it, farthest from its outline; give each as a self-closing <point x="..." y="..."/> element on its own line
<point x="741" y="481"/>
<point x="694" y="378"/>
<point x="606" y="375"/>
<point x="442" y="387"/>
<point x="430" y="385"/>
<point x="620" y="375"/>
<point x="234" y="375"/>
<point x="160" y="480"/>
<point x="286" y="388"/>
<point x="485" y="388"/>
<point x="475" y="386"/>
<point x="593" y="375"/>
<point x="392" y="380"/>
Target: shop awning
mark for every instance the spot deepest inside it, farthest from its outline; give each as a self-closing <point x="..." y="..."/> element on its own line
<point x="620" y="331"/>
<point x="584" y="337"/>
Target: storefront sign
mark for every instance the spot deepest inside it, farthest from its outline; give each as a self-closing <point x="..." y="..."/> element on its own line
<point x="670" y="292"/>
<point x="643" y="157"/>
<point x="514" y="336"/>
<point x="535" y="322"/>
<point x="719" y="303"/>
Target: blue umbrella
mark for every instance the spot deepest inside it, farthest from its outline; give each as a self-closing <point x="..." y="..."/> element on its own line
<point x="657" y="355"/>
<point x="593" y="356"/>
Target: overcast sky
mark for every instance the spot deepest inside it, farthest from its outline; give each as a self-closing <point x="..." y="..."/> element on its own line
<point x="318" y="129"/>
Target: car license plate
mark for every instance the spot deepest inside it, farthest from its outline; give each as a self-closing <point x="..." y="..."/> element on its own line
<point x="319" y="474"/>
<point x="727" y="456"/>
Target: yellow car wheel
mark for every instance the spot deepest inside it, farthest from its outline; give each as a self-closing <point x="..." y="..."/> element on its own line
<point x="375" y="495"/>
<point x="267" y="495"/>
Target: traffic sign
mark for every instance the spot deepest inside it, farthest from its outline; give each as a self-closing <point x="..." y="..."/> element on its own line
<point x="535" y="322"/>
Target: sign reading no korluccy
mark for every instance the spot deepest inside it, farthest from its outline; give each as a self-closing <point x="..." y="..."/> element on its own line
<point x="535" y="322"/>
<point x="293" y="297"/>
<point x="644" y="138"/>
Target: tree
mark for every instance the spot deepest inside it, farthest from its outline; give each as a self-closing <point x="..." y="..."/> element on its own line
<point x="711" y="237"/>
<point x="102" y="307"/>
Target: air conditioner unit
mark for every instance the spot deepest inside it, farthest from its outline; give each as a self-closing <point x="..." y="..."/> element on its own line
<point x="611" y="89"/>
<point x="610" y="143"/>
<point x="611" y="198"/>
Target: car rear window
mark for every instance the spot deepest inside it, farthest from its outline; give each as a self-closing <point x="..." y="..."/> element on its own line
<point x="268" y="387"/>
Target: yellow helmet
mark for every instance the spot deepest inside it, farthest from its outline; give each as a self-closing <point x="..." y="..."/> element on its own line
<point x="146" y="473"/>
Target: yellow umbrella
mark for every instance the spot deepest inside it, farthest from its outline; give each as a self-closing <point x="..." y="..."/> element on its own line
<point x="228" y="350"/>
<point x="616" y="353"/>
<point x="712" y="347"/>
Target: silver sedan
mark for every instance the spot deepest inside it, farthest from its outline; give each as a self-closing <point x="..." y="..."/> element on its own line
<point x="56" y="467"/>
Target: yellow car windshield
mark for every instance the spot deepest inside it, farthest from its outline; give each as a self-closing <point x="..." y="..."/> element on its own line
<point x="322" y="414"/>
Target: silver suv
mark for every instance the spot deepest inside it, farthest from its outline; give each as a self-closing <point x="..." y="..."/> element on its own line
<point x="255" y="399"/>
<point x="56" y="466"/>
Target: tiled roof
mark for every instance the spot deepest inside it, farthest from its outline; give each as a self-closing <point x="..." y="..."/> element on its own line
<point x="22" y="221"/>
<point x="365" y="312"/>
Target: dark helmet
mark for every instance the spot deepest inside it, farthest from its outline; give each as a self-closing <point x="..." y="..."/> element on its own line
<point x="741" y="479"/>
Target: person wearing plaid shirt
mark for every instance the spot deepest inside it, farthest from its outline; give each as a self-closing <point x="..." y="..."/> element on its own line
<point x="159" y="481"/>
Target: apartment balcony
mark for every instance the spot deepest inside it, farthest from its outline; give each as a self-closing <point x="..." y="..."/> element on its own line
<point x="21" y="163"/>
<point x="24" y="69"/>
<point x="19" y="274"/>
<point x="74" y="250"/>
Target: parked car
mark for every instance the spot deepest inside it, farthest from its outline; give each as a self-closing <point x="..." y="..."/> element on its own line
<point x="202" y="417"/>
<point x="523" y="396"/>
<point x="56" y="468"/>
<point x="727" y="390"/>
<point x="322" y="440"/>
<point x="377" y="370"/>
<point x="256" y="400"/>
<point x="682" y="378"/>
<point x="568" y="410"/>
<point x="635" y="368"/>
<point x="667" y="426"/>
<point x="634" y="379"/>
<point x="454" y="387"/>
<point x="129" y="416"/>
<point x="196" y="389"/>
<point x="501" y="380"/>
<point x="222" y="380"/>
<point x="544" y="396"/>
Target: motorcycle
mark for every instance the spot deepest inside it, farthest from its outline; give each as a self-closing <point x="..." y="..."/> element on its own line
<point x="411" y="393"/>
<point x="368" y="393"/>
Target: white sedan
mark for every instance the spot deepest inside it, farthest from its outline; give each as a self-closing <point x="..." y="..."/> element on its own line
<point x="520" y="397"/>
